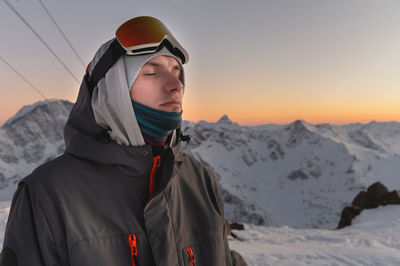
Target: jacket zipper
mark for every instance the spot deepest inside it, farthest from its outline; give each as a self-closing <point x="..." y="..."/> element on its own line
<point x="156" y="165"/>
<point x="133" y="247"/>
<point x="190" y="252"/>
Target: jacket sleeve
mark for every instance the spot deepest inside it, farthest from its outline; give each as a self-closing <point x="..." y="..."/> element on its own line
<point x="220" y="203"/>
<point x="28" y="239"/>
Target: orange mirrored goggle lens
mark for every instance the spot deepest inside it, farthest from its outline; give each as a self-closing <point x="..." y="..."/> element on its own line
<point x="141" y="31"/>
<point x="147" y="34"/>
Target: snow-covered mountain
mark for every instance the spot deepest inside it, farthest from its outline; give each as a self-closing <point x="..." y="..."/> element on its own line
<point x="300" y="175"/>
<point x="31" y="137"/>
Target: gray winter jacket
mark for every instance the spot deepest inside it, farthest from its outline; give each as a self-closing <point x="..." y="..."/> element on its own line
<point x="91" y="206"/>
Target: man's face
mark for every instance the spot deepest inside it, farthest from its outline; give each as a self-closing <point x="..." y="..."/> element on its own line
<point x="157" y="84"/>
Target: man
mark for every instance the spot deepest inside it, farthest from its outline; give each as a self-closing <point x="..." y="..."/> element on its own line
<point x="123" y="193"/>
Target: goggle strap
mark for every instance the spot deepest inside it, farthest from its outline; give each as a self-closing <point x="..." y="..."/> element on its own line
<point x="113" y="53"/>
<point x="175" y="51"/>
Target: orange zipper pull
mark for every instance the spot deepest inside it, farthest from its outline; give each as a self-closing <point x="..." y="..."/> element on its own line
<point x="156" y="165"/>
<point x="190" y="252"/>
<point x="133" y="247"/>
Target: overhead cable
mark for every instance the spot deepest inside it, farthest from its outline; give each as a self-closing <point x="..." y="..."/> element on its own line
<point x="62" y="33"/>
<point x="43" y="41"/>
<point x="23" y="77"/>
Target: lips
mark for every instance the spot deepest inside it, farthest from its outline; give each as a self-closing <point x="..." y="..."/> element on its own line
<point x="171" y="103"/>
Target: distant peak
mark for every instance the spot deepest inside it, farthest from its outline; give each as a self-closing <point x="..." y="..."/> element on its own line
<point x="224" y="120"/>
<point x="299" y="127"/>
<point x="27" y="109"/>
<point x="300" y="122"/>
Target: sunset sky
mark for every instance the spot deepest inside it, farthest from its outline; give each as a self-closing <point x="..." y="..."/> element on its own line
<point x="257" y="61"/>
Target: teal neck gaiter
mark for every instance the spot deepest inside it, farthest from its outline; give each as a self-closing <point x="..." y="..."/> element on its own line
<point x="156" y="123"/>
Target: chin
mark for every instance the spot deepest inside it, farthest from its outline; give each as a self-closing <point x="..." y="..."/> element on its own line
<point x="175" y="110"/>
<point x="172" y="108"/>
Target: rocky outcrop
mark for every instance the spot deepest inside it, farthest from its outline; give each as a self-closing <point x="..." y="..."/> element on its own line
<point x="237" y="226"/>
<point x="371" y="198"/>
<point x="393" y="197"/>
<point x="376" y="195"/>
<point x="348" y="214"/>
<point x="237" y="259"/>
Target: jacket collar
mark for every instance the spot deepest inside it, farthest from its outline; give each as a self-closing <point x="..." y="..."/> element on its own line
<point x="84" y="138"/>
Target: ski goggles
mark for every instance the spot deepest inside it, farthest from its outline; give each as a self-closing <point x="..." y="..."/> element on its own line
<point x="140" y="35"/>
<point x="143" y="35"/>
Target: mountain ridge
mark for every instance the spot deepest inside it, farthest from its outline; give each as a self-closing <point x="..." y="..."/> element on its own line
<point x="298" y="174"/>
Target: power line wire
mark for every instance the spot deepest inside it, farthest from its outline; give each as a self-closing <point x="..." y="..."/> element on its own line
<point x="23" y="77"/>
<point x="43" y="41"/>
<point x="62" y="33"/>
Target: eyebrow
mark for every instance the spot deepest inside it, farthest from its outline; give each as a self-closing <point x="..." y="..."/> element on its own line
<point x="176" y="67"/>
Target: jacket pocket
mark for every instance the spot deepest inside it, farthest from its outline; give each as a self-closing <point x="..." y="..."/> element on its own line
<point x="210" y="253"/>
<point x="118" y="250"/>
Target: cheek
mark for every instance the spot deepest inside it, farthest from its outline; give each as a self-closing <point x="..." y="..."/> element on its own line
<point x="139" y="95"/>
<point x="138" y="90"/>
<point x="144" y="93"/>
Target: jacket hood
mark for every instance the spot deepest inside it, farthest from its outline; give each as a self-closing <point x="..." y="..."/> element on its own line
<point x="103" y="127"/>
<point x="111" y="101"/>
<point x="86" y="139"/>
<point x="112" y="107"/>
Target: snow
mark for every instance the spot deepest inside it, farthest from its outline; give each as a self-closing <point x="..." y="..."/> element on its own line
<point x="4" y="211"/>
<point x="27" y="109"/>
<point x="300" y="175"/>
<point x="373" y="239"/>
<point x="30" y="138"/>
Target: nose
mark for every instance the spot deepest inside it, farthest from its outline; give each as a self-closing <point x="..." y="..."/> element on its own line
<point x="172" y="83"/>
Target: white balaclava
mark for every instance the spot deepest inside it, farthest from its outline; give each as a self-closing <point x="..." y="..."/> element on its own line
<point x="111" y="102"/>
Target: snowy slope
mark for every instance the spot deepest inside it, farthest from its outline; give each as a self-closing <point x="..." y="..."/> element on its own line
<point x="300" y="175"/>
<point x="373" y="239"/>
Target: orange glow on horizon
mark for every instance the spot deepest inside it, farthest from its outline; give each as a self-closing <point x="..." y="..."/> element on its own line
<point x="336" y="119"/>
<point x="274" y="115"/>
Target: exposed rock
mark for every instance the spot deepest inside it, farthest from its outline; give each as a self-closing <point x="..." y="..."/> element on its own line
<point x="297" y="133"/>
<point x="376" y="195"/>
<point x="361" y="200"/>
<point x="393" y="197"/>
<point x="237" y="226"/>
<point x="298" y="174"/>
<point x="32" y="137"/>
<point x="228" y="230"/>
<point x="276" y="150"/>
<point x="348" y="214"/>
<point x="376" y="192"/>
<point x="371" y="198"/>
<point x="249" y="157"/>
<point x="224" y="120"/>
<point x="237" y="259"/>
<point x="240" y="211"/>
<point x="362" y="138"/>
